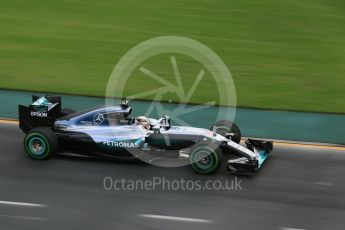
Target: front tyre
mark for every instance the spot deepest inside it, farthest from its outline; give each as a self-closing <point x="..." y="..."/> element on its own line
<point x="205" y="158"/>
<point x="40" y="143"/>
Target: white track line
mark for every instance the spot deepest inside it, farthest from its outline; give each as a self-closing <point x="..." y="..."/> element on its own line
<point x="175" y="218"/>
<point x="23" y="217"/>
<point x="22" y="204"/>
<point x="325" y="183"/>
<point x="291" y="228"/>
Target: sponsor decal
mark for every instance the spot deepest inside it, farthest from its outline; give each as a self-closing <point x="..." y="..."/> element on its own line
<point x="38" y="114"/>
<point x="121" y="144"/>
<point x="98" y="119"/>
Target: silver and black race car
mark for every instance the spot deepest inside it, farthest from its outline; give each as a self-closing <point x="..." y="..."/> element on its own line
<point x="110" y="131"/>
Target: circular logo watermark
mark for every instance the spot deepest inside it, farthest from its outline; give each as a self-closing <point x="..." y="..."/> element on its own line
<point x="161" y="132"/>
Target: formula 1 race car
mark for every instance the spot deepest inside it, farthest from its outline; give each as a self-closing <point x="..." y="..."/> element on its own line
<point x="109" y="131"/>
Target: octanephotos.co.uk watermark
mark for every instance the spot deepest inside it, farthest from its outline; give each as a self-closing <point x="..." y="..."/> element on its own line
<point x="165" y="184"/>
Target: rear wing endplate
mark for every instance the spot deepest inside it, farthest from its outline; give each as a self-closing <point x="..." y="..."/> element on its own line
<point x="42" y="112"/>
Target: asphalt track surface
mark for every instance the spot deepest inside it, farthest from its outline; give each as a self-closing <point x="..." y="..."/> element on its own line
<point x="298" y="188"/>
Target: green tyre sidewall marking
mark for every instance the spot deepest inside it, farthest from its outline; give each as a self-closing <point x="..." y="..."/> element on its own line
<point x="27" y="148"/>
<point x="212" y="167"/>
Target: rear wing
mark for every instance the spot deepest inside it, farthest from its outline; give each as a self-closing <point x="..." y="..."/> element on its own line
<point x="42" y="112"/>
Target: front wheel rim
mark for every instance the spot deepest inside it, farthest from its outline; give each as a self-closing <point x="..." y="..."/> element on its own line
<point x="203" y="160"/>
<point x="198" y="156"/>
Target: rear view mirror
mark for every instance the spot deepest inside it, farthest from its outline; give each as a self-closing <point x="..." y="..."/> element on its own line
<point x="165" y="122"/>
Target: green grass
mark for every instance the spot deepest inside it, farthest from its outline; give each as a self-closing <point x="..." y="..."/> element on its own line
<point x="283" y="54"/>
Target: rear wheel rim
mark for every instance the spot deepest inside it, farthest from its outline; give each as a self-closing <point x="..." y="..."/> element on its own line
<point x="37" y="146"/>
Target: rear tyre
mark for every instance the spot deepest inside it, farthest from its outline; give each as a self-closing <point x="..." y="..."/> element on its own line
<point x="66" y="111"/>
<point x="223" y="127"/>
<point x="206" y="158"/>
<point x="40" y="143"/>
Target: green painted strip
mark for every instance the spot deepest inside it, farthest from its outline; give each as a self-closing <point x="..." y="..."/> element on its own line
<point x="295" y="126"/>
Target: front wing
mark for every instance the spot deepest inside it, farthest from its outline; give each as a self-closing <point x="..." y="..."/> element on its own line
<point x="251" y="158"/>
